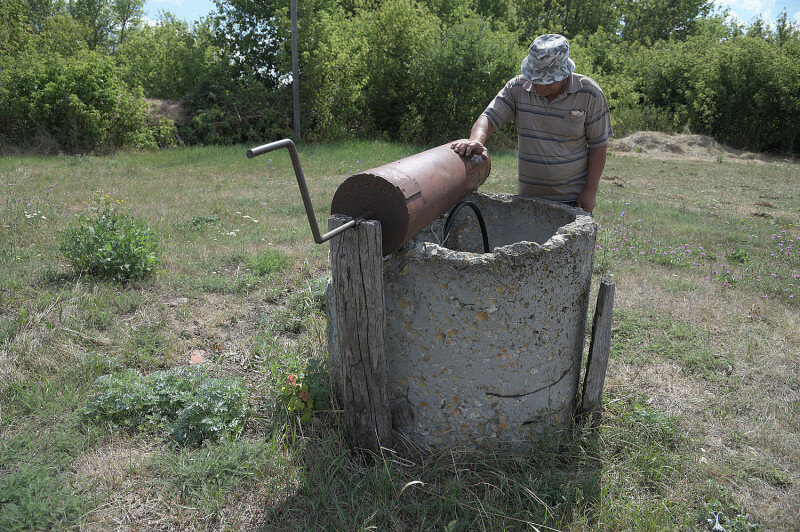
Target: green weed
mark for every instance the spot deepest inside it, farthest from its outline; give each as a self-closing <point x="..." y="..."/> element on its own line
<point x="306" y="391"/>
<point x="198" y="223"/>
<point x="718" y="515"/>
<point x="112" y="244"/>
<point x="220" y="283"/>
<point x="10" y="326"/>
<point x="38" y="490"/>
<point x="738" y="255"/>
<point x="646" y="336"/>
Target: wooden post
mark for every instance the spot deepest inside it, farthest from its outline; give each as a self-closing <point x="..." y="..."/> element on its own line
<point x="360" y="314"/>
<point x="598" y="348"/>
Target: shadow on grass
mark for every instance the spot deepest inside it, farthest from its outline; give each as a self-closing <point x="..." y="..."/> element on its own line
<point x="340" y="489"/>
<point x="618" y="476"/>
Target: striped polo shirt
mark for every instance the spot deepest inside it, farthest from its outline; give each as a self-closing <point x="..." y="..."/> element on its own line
<point x="553" y="137"/>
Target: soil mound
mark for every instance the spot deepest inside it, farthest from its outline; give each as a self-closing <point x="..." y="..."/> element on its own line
<point x="172" y="109"/>
<point x="659" y="144"/>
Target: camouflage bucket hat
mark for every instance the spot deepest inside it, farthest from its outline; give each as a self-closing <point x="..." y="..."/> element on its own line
<point x="548" y="60"/>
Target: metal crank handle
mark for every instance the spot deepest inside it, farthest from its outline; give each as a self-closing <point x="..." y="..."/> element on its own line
<point x="301" y="182"/>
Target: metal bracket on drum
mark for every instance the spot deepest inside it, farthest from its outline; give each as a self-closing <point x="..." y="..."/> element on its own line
<point x="301" y="182"/>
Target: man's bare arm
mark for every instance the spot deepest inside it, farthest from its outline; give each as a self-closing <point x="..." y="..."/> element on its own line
<point x="482" y="129"/>
<point x="597" y="161"/>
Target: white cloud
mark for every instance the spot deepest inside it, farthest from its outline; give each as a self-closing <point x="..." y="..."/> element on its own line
<point x="749" y="9"/>
<point x="759" y="6"/>
<point x="178" y="3"/>
<point x="796" y="17"/>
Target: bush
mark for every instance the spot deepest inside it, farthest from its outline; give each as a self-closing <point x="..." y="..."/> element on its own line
<point x="111" y="244"/>
<point x="715" y="87"/>
<point x="358" y="71"/>
<point x="455" y="75"/>
<point x="187" y="404"/>
<point x="74" y="104"/>
<point x="235" y="111"/>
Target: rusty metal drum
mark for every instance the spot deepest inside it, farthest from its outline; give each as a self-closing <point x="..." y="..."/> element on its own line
<point x="407" y="195"/>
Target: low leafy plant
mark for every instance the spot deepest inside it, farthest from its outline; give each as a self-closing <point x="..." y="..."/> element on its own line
<point x="187" y="404"/>
<point x="304" y="393"/>
<point x="738" y="255"/>
<point x="111" y="244"/>
<point x="718" y="517"/>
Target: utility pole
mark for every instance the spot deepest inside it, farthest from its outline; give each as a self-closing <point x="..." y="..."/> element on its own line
<point x="295" y="72"/>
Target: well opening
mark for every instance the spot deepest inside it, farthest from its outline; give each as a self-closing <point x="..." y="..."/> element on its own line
<point x="509" y="219"/>
<point x="485" y="348"/>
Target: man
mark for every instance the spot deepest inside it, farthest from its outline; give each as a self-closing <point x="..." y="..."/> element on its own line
<point x="563" y="126"/>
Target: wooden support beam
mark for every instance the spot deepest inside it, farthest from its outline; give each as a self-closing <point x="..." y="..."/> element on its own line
<point x="598" y="348"/>
<point x="360" y="314"/>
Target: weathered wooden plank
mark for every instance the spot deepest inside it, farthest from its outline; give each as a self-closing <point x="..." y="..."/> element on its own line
<point x="598" y="348"/>
<point x="332" y="336"/>
<point x="360" y="314"/>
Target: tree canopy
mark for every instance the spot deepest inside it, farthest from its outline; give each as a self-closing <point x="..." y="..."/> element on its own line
<point x="413" y="70"/>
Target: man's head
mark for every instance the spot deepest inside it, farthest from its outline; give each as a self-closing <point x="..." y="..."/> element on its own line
<point x="548" y="61"/>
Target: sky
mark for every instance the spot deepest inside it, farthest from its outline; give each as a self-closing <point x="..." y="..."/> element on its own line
<point x="188" y="10"/>
<point x="745" y="10"/>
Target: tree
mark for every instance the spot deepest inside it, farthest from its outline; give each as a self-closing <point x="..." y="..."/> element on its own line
<point x="648" y="21"/>
<point x="170" y="59"/>
<point x="96" y="16"/>
<point x="38" y="11"/>
<point x="126" y="14"/>
<point x="15" y="30"/>
<point x="253" y="32"/>
<point x="567" y="17"/>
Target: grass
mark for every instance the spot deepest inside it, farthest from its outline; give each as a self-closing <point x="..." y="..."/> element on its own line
<point x="701" y="417"/>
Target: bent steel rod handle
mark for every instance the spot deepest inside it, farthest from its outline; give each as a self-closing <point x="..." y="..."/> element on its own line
<point x="301" y="182"/>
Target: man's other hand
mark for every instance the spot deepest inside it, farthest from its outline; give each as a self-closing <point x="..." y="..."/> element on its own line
<point x="587" y="200"/>
<point x="467" y="147"/>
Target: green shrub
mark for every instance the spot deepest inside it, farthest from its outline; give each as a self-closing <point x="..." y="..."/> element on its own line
<point x="111" y="244"/>
<point x="187" y="404"/>
<point x="713" y="86"/>
<point x="75" y="104"/>
<point x="455" y="75"/>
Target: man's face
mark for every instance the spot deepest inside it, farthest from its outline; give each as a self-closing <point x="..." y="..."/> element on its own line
<point x="551" y="89"/>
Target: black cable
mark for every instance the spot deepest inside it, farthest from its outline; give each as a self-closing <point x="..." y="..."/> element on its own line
<point x="449" y="221"/>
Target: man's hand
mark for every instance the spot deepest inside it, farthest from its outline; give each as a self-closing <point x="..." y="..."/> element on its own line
<point x="467" y="147"/>
<point x="587" y="200"/>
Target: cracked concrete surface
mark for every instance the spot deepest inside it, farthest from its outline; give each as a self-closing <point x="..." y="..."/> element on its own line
<point x="485" y="349"/>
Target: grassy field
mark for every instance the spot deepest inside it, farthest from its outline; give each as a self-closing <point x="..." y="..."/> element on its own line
<point x="701" y="416"/>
